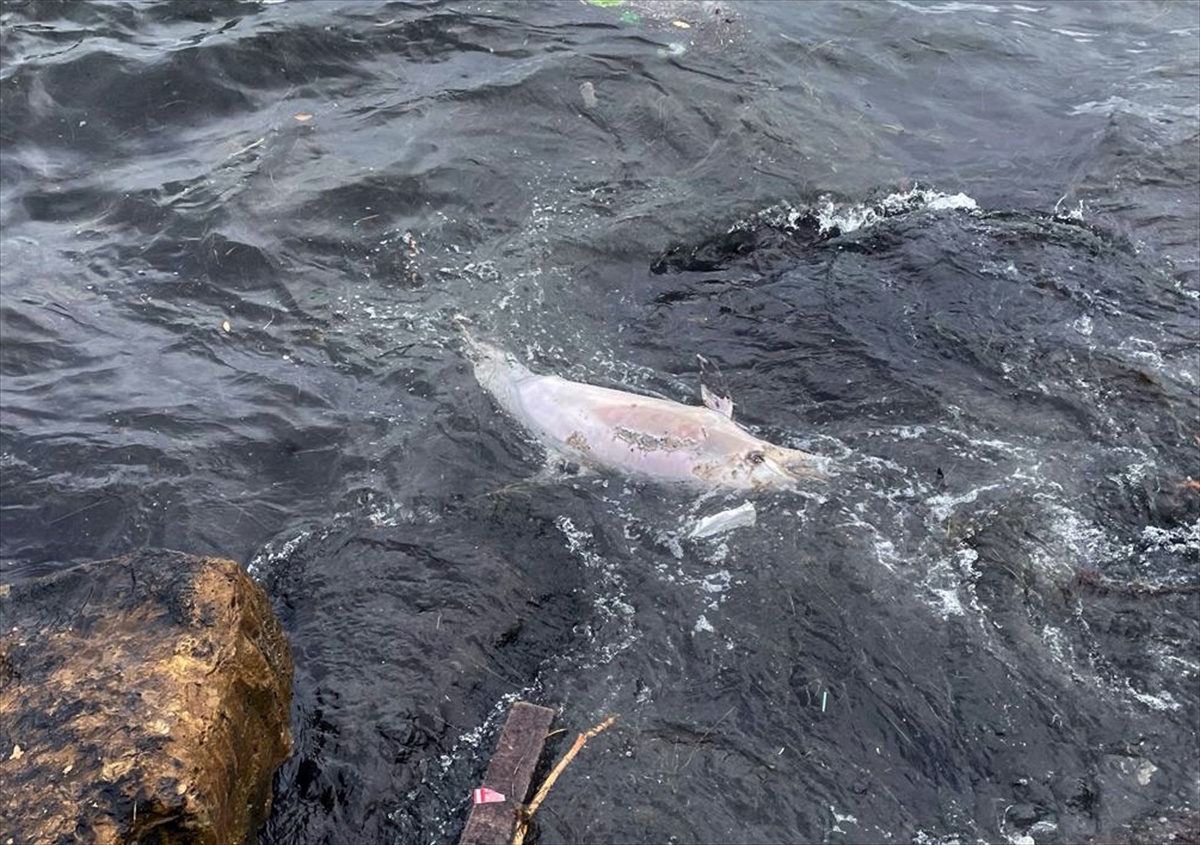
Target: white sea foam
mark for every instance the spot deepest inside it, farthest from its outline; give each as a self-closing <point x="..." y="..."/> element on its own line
<point x="849" y="217"/>
<point x="951" y="579"/>
<point x="1163" y="701"/>
<point x="946" y="8"/>
<point x="943" y="505"/>
<point x="274" y="554"/>
<point x="846" y="218"/>
<point x="1183" y="539"/>
<point x="614" y="611"/>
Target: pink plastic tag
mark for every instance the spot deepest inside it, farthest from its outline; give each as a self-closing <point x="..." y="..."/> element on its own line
<point x="486" y="796"/>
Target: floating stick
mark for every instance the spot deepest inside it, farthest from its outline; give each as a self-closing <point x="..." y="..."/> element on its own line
<point x="527" y="815"/>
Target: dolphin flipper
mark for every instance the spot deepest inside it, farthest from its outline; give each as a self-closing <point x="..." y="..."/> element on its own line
<point x="717" y="397"/>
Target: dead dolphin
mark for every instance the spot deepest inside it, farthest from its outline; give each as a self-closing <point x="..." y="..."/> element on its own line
<point x="600" y="428"/>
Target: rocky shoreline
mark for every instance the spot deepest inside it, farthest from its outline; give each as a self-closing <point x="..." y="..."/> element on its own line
<point x="142" y="698"/>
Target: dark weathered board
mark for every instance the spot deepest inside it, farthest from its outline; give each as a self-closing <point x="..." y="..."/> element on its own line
<point x="509" y="773"/>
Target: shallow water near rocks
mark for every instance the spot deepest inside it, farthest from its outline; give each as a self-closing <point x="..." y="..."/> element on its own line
<point x="950" y="246"/>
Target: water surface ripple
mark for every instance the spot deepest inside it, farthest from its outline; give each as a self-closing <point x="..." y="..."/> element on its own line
<point x="950" y="245"/>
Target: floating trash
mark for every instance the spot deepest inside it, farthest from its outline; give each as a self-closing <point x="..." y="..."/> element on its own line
<point x="740" y="517"/>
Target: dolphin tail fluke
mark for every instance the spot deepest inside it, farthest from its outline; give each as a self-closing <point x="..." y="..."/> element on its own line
<point x="474" y="348"/>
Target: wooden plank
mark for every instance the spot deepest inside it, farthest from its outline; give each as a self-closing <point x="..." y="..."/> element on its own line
<point x="509" y="773"/>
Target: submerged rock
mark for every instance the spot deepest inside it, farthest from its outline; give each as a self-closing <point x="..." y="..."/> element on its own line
<point x="142" y="699"/>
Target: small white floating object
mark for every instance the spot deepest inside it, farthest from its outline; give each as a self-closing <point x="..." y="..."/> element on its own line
<point x="740" y="517"/>
<point x="588" y="92"/>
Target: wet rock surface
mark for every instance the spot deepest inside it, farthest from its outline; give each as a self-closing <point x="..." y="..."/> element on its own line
<point x="142" y="699"/>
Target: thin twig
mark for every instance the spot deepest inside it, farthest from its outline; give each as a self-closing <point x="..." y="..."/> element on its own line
<point x="544" y="789"/>
<point x="703" y="737"/>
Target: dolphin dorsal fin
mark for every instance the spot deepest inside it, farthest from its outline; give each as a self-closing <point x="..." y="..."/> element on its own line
<point x="715" y="398"/>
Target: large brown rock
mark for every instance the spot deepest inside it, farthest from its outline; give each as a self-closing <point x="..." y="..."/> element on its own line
<point x="142" y="699"/>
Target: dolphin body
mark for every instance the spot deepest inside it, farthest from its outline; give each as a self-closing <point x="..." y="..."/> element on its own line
<point x="602" y="428"/>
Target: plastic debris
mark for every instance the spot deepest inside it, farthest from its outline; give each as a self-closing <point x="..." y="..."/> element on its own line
<point x="739" y="517"/>
<point x="483" y="795"/>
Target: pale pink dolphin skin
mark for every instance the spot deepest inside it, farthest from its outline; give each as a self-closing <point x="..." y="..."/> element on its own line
<point x="601" y="428"/>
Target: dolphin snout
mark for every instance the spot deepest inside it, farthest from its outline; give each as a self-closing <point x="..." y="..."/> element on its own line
<point x="804" y="465"/>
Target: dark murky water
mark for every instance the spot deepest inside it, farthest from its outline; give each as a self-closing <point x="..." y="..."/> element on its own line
<point x="951" y="245"/>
